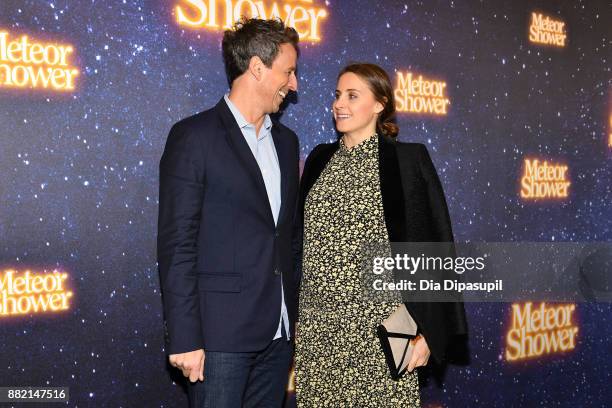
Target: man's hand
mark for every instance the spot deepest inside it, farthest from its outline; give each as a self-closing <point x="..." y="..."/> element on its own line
<point x="420" y="353"/>
<point x="190" y="363"/>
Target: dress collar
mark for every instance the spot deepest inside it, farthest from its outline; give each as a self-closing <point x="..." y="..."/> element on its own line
<point x="365" y="147"/>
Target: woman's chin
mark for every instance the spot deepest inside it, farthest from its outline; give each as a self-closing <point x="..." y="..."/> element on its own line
<point x="342" y="129"/>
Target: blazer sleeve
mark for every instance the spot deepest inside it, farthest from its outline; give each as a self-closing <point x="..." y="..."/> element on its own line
<point x="181" y="192"/>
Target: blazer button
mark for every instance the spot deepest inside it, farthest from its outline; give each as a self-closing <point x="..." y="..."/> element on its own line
<point x="277" y="234"/>
<point x="277" y="271"/>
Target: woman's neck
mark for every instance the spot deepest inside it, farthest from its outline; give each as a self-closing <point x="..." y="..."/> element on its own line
<point x="354" y="138"/>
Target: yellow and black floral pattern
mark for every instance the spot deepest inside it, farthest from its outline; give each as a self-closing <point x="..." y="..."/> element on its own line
<point x="339" y="361"/>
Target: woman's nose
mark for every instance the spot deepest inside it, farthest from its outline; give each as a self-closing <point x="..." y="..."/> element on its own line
<point x="338" y="103"/>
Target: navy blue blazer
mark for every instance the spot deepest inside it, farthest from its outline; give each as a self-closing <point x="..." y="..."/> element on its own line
<point x="221" y="258"/>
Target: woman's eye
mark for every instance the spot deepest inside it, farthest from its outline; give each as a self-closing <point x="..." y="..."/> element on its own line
<point x="352" y="96"/>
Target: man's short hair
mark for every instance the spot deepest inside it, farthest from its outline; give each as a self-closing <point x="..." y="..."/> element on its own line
<point x="254" y="37"/>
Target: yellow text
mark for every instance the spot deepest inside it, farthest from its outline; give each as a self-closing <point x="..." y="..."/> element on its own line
<point x="29" y="64"/>
<point x="27" y="292"/>
<point x="540" y="330"/>
<point x="544" y="30"/>
<point x="544" y="180"/>
<point x="220" y="15"/>
<point x="418" y="95"/>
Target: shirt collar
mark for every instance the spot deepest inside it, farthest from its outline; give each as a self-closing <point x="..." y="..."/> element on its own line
<point x="242" y="122"/>
<point x="366" y="147"/>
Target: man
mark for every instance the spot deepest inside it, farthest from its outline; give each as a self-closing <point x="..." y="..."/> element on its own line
<point x="228" y="192"/>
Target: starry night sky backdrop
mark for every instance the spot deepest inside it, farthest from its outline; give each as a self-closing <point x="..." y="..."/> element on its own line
<point x="79" y="174"/>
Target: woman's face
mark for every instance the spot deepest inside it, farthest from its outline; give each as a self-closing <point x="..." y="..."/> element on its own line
<point x="355" y="108"/>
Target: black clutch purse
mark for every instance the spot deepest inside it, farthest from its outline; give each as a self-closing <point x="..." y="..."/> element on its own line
<point x="396" y="335"/>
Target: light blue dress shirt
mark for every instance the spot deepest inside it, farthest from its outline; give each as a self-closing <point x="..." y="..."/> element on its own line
<point x="262" y="147"/>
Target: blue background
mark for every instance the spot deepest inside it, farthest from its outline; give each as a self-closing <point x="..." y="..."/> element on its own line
<point x="79" y="174"/>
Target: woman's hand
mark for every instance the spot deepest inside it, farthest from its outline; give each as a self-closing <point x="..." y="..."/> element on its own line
<point x="420" y="354"/>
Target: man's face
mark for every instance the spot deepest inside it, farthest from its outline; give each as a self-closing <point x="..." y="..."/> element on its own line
<point x="279" y="79"/>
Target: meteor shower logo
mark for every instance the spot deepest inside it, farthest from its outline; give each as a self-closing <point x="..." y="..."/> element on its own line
<point x="219" y="15"/>
<point x="544" y="180"/>
<point x="540" y="330"/>
<point x="546" y="31"/>
<point x="26" y="63"/>
<point x="420" y="95"/>
<point x="26" y="292"/>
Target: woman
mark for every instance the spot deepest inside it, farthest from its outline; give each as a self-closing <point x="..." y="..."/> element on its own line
<point x="364" y="188"/>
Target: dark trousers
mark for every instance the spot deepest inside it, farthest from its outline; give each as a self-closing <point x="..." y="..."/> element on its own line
<point x="244" y="380"/>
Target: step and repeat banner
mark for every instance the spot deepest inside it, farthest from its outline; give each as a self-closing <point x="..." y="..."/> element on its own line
<point x="512" y="98"/>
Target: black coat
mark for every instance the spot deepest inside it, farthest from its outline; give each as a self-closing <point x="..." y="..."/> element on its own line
<point x="415" y="211"/>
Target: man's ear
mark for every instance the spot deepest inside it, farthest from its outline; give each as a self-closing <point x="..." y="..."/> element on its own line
<point x="256" y="66"/>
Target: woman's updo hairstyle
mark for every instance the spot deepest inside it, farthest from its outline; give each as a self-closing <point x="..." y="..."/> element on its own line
<point x="379" y="83"/>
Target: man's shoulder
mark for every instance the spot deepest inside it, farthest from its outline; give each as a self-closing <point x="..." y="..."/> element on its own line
<point x="283" y="129"/>
<point x="204" y="119"/>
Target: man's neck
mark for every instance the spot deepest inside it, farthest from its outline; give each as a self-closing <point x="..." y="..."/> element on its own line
<point x="244" y="103"/>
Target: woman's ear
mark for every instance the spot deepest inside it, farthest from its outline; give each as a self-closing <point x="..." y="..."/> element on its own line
<point x="380" y="105"/>
<point x="378" y="108"/>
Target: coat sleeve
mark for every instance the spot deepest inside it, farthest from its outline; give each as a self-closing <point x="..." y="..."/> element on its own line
<point x="455" y="311"/>
<point x="181" y="192"/>
<point x="437" y="201"/>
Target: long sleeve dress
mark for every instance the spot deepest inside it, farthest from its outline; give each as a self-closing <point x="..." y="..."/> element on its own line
<point x="339" y="360"/>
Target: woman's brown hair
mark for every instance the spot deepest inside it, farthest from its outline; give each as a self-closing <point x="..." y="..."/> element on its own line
<point x="379" y="83"/>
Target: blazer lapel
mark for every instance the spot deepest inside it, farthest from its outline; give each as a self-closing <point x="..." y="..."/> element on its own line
<point x="391" y="189"/>
<point x="245" y="156"/>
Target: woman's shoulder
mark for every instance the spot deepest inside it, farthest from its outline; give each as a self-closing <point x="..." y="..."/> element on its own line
<point x="315" y="162"/>
<point x="321" y="149"/>
<point x="325" y="146"/>
<point x="411" y="148"/>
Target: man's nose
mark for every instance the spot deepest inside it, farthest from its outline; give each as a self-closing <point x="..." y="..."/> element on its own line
<point x="293" y="83"/>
